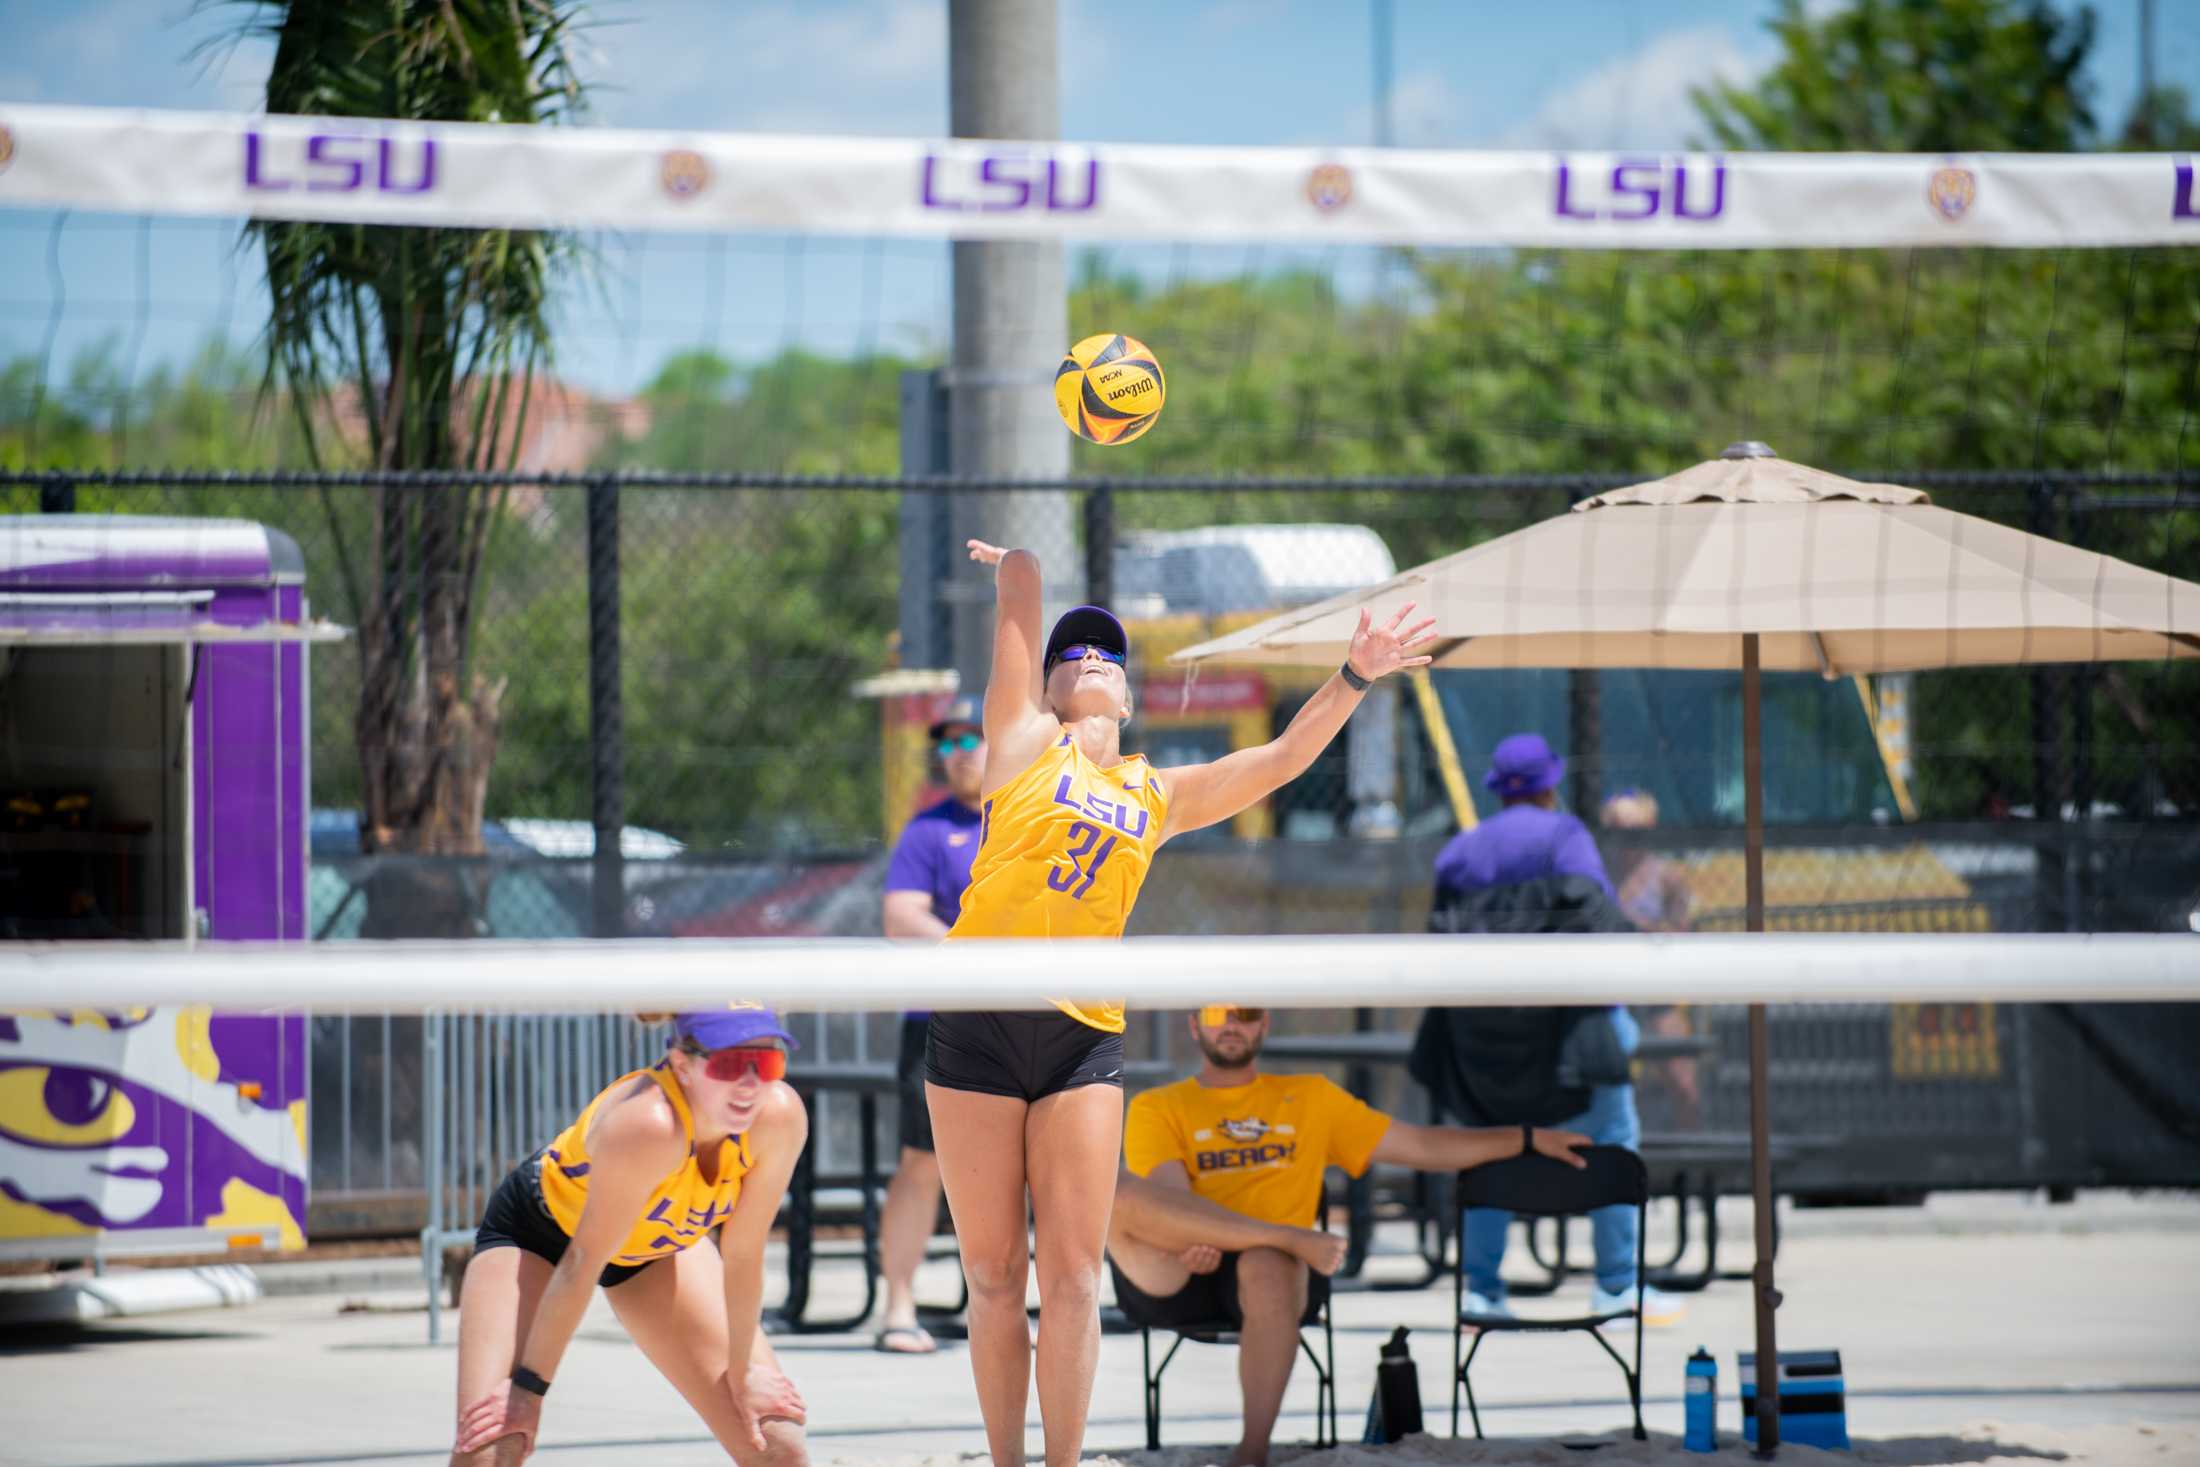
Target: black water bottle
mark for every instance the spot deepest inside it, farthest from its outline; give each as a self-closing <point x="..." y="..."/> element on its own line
<point x="1395" y="1410"/>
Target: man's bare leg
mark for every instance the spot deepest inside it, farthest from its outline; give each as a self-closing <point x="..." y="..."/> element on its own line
<point x="905" y="1228"/>
<point x="1171" y="1220"/>
<point x="1272" y="1298"/>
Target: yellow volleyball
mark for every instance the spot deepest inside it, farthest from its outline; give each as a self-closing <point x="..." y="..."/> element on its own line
<point x="1109" y="389"/>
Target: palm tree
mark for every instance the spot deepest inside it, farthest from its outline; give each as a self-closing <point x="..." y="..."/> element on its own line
<point x="436" y="339"/>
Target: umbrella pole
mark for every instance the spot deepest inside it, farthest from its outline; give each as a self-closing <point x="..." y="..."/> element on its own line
<point x="1760" y="1066"/>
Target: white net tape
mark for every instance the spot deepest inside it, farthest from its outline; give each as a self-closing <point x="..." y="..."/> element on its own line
<point x="1279" y="972"/>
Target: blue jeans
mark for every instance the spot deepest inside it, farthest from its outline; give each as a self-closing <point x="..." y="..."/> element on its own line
<point x="1611" y="1120"/>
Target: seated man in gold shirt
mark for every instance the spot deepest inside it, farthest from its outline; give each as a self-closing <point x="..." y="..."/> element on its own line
<point x="1256" y="1146"/>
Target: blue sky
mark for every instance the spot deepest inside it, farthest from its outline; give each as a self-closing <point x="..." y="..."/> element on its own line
<point x="1562" y="73"/>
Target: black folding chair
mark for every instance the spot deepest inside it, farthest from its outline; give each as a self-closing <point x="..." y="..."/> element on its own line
<point x="1543" y="1187"/>
<point x="1222" y="1332"/>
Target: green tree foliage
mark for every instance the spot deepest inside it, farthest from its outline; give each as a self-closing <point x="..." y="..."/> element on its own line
<point x="431" y="340"/>
<point x="1915" y="76"/>
<point x="749" y="613"/>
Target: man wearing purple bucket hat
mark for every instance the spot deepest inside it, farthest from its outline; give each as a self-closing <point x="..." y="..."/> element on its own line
<point x="703" y="1140"/>
<point x="1529" y="839"/>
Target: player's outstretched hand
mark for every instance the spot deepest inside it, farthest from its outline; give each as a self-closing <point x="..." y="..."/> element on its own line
<point x="985" y="554"/>
<point x="1377" y="650"/>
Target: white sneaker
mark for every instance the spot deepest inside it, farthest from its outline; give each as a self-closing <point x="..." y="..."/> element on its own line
<point x="1659" y="1308"/>
<point x="1484" y="1305"/>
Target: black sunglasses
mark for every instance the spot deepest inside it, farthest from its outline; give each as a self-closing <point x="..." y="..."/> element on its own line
<point x="1077" y="651"/>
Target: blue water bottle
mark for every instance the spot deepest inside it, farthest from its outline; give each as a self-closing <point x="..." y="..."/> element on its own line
<point x="1701" y="1401"/>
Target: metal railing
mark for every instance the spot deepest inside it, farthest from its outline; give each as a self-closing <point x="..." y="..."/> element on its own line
<point x="497" y="1088"/>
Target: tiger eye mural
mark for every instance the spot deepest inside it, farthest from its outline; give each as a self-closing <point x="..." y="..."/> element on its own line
<point x="156" y="1122"/>
<point x="157" y="790"/>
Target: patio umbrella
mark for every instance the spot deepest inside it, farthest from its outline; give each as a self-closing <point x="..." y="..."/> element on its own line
<point x="1751" y="562"/>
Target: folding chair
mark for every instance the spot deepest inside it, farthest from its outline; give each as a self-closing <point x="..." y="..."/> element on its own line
<point x="1222" y="1332"/>
<point x="1543" y="1187"/>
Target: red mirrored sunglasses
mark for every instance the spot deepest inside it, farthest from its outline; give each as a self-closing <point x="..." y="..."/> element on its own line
<point x="750" y="1059"/>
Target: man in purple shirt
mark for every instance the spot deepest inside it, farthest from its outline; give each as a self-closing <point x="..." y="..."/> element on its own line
<point x="924" y="889"/>
<point x="1530" y="838"/>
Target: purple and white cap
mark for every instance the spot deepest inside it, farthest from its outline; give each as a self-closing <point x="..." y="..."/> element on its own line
<point x="736" y="1023"/>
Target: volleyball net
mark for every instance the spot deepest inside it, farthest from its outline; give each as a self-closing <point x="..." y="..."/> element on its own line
<point x="737" y="476"/>
<point x="1324" y="973"/>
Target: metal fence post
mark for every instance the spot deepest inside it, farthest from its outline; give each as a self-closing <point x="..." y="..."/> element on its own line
<point x="606" y="713"/>
<point x="2050" y="747"/>
<point x="431" y="1123"/>
<point x="1100" y="545"/>
<point x="57" y="494"/>
<point x="926" y="558"/>
<point x="2078" y="855"/>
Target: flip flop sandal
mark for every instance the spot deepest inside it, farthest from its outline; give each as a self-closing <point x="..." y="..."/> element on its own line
<point x="924" y="1344"/>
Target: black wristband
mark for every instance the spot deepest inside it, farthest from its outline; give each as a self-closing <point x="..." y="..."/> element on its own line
<point x="1352" y="679"/>
<point x="1527" y="1139"/>
<point x="526" y="1380"/>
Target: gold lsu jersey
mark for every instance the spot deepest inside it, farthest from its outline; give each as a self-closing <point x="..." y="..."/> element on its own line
<point x="683" y="1207"/>
<point x="1063" y="849"/>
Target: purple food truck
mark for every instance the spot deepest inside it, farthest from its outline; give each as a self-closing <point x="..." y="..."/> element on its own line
<point x="153" y="785"/>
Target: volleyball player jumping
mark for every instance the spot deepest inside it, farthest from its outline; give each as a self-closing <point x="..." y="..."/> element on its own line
<point x="1068" y="828"/>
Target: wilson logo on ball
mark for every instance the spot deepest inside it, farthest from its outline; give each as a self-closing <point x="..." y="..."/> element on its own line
<point x="1109" y="389"/>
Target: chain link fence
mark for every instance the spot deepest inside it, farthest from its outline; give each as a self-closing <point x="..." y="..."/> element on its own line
<point x="724" y="622"/>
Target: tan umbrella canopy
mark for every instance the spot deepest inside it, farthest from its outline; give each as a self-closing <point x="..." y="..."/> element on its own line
<point x="1831" y="575"/>
<point x="1748" y="562"/>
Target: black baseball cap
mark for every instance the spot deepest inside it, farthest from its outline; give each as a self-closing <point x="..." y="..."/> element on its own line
<point x="962" y="713"/>
<point x="1088" y="626"/>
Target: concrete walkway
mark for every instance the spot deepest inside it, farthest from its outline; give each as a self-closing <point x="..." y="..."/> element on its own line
<point x="1974" y="1309"/>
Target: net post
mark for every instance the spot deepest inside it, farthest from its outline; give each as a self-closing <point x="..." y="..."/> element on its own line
<point x="57" y="494"/>
<point x="1760" y="1089"/>
<point x="606" y="713"/>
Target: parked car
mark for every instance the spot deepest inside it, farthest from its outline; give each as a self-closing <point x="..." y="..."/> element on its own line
<point x="514" y="891"/>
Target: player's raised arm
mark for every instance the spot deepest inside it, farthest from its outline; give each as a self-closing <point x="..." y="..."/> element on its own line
<point x="1201" y="794"/>
<point x="1015" y="694"/>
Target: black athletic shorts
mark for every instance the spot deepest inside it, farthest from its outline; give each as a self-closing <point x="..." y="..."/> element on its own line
<point x="517" y="1217"/>
<point x="1205" y="1299"/>
<point x="916" y="1115"/>
<point x="1027" y="1055"/>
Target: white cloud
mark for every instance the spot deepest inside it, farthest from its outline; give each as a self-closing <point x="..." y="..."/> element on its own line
<point x="868" y="66"/>
<point x="1426" y="111"/>
<point x="1640" y="100"/>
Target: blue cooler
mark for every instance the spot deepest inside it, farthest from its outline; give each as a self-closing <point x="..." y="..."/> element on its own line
<point x="1814" y="1410"/>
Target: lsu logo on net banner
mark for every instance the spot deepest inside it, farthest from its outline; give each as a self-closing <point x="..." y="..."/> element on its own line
<point x="1010" y="181"/>
<point x="338" y="162"/>
<point x="1636" y="189"/>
